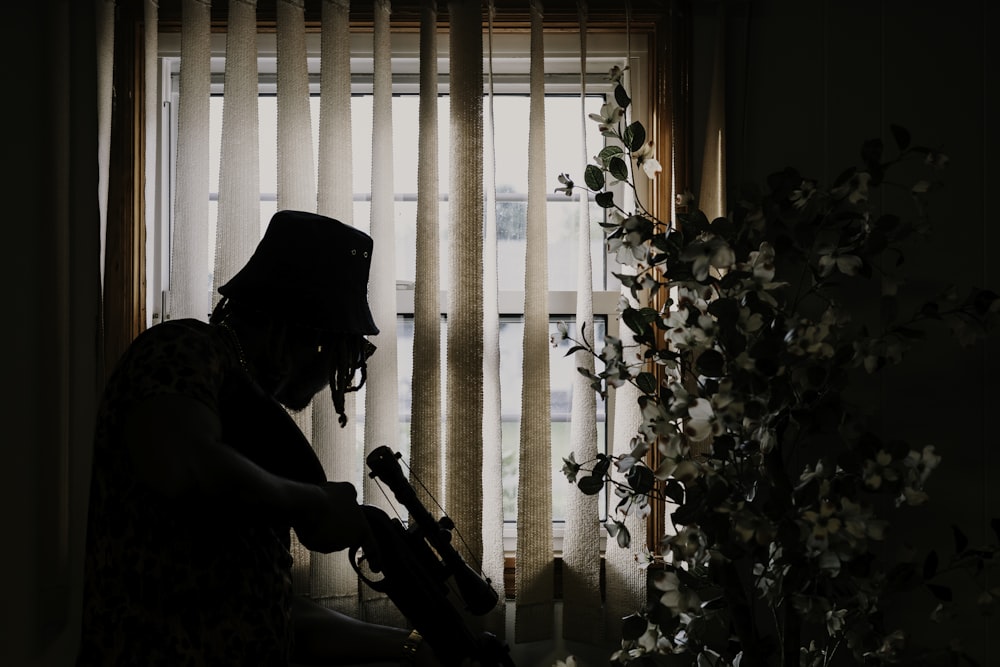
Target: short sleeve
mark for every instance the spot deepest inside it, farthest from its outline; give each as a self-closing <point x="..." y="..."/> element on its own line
<point x="180" y="357"/>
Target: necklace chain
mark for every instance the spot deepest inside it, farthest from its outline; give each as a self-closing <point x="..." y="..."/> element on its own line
<point x="239" y="346"/>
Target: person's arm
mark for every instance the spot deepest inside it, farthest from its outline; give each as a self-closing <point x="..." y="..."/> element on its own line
<point x="176" y="446"/>
<point x="326" y="637"/>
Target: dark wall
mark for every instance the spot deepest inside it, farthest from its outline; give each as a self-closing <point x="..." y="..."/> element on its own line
<point x="807" y="82"/>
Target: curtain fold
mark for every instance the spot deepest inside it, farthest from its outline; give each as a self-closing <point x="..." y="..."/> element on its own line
<point x="105" y="24"/>
<point x="152" y="105"/>
<point x="189" y="286"/>
<point x="712" y="193"/>
<point x="534" y="581"/>
<point x="581" y="557"/>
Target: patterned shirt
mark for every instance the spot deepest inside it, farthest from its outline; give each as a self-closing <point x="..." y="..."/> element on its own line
<point x="168" y="585"/>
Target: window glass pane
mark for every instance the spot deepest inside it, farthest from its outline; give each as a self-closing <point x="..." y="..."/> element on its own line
<point x="562" y="373"/>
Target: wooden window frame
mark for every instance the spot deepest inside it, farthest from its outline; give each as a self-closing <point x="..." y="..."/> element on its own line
<point x="666" y="24"/>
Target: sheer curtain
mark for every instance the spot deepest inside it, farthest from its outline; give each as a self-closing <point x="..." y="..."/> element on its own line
<point x="455" y="427"/>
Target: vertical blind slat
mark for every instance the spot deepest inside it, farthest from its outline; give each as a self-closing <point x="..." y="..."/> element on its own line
<point x="425" y="410"/>
<point x="493" y="525"/>
<point x="189" y="288"/>
<point x="582" y="610"/>
<point x="238" y="219"/>
<point x="535" y="577"/>
<point x="333" y="581"/>
<point x="464" y="351"/>
<point x="382" y="388"/>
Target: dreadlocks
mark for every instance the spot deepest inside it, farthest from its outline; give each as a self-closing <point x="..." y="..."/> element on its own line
<point x="348" y="354"/>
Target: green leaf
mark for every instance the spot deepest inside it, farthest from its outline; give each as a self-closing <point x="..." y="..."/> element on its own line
<point x="646" y="382"/>
<point x="593" y="176"/>
<point x="625" y="279"/>
<point x="635" y="320"/>
<point x="618" y="168"/>
<point x="605" y="200"/>
<point x="609" y="152"/>
<point x="621" y="97"/>
<point x="711" y="364"/>
<point x="725" y="310"/>
<point x="674" y="490"/>
<point x="633" y="627"/>
<point x="889" y="309"/>
<point x="714" y="603"/>
<point x="871" y="152"/>
<point x="591" y="484"/>
<point x="634" y="136"/>
<point x="845" y="176"/>
<point x="641" y="479"/>
<point x="624" y="537"/>
<point x="942" y="593"/>
<point x="931" y="310"/>
<point x="961" y="541"/>
<point x="930" y="565"/>
<point x="901" y="135"/>
<point x="602" y="466"/>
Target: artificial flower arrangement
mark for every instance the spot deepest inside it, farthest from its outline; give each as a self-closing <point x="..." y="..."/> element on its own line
<point x="780" y="485"/>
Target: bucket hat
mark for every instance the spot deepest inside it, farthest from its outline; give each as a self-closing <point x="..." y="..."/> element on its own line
<point x="310" y="270"/>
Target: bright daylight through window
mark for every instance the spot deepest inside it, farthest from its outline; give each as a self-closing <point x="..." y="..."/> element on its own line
<point x="511" y="104"/>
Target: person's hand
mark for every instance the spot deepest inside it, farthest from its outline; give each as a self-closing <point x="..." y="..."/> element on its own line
<point x="334" y="520"/>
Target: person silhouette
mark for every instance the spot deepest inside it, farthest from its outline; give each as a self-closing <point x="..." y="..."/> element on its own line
<point x="200" y="474"/>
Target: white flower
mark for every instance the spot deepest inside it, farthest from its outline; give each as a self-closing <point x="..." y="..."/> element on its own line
<point x="676" y="596"/>
<point x="761" y="263"/>
<point x="563" y="334"/>
<point x="849" y="265"/>
<point x="936" y="160"/>
<point x="855" y="189"/>
<point x="570" y="661"/>
<point x="890" y="285"/>
<point x="835" y="621"/>
<point x="644" y="158"/>
<point x="609" y="116"/>
<point x="800" y="198"/>
<point x="912" y="497"/>
<point x="922" y="463"/>
<point x="681" y="336"/>
<point x="567" y="183"/>
<point x="708" y="251"/>
<point x="651" y="167"/>
<point x="616" y="73"/>
<point x="702" y="421"/>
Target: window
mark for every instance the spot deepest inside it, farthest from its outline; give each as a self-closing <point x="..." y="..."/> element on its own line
<point x="510" y="103"/>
